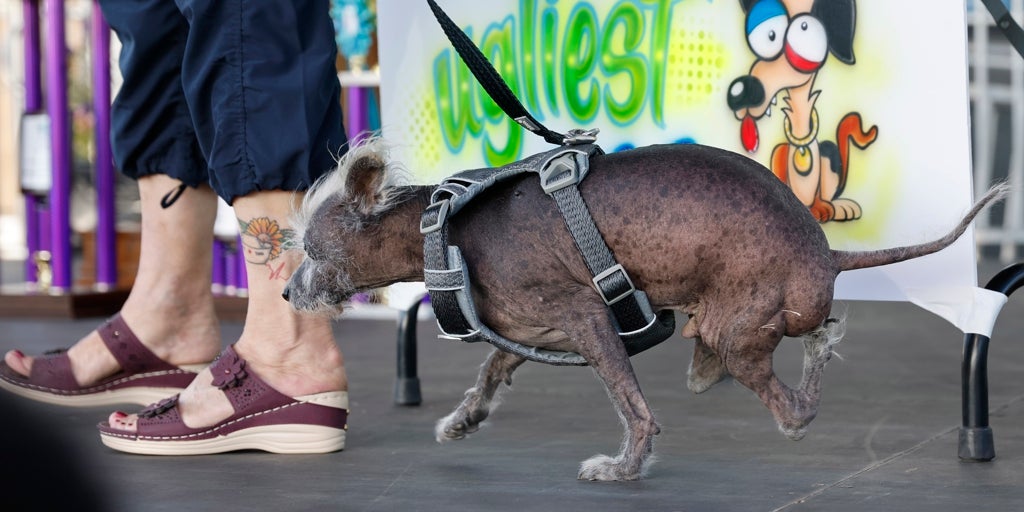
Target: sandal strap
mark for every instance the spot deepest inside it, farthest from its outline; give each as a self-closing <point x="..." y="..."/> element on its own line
<point x="53" y="371"/>
<point x="126" y="348"/>
<point x="244" y="390"/>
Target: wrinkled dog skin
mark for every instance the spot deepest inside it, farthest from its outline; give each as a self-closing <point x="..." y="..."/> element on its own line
<point x="703" y="231"/>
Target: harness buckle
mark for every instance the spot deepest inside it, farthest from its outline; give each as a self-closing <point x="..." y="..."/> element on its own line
<point x="560" y="172"/>
<point x="448" y="190"/>
<point x="616" y="281"/>
<point x="577" y="136"/>
<point x="441" y="208"/>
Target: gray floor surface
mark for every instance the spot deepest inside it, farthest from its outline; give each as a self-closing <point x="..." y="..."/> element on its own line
<point x="884" y="439"/>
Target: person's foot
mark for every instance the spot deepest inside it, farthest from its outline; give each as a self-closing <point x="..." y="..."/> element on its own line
<point x="294" y="370"/>
<point x="184" y="335"/>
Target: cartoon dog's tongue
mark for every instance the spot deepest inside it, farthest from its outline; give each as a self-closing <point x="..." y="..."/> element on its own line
<point x="748" y="134"/>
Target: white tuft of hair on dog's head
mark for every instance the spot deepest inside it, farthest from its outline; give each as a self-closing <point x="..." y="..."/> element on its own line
<point x="332" y="184"/>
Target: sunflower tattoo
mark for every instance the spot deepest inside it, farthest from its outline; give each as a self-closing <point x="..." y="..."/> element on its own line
<point x="264" y="240"/>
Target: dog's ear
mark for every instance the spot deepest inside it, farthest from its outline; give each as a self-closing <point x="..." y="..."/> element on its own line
<point x="840" y="19"/>
<point x="747" y="4"/>
<point x="364" y="181"/>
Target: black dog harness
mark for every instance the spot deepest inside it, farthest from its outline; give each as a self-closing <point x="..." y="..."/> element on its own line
<point x="560" y="171"/>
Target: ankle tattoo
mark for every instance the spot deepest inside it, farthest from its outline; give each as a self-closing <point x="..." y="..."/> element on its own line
<point x="264" y="241"/>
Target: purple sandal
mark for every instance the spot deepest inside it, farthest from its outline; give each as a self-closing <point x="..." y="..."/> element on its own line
<point x="143" y="378"/>
<point x="264" y="419"/>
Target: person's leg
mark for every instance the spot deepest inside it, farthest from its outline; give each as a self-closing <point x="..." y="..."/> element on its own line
<point x="265" y="96"/>
<point x="170" y="307"/>
<point x="293" y="353"/>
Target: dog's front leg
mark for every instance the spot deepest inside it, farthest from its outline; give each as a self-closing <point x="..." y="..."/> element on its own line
<point x="601" y="346"/>
<point x="478" y="403"/>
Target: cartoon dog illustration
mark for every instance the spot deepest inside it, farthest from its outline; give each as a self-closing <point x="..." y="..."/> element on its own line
<point x="792" y="40"/>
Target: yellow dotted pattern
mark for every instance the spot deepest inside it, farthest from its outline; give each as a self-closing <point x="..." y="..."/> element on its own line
<point x="696" y="63"/>
<point x="423" y="131"/>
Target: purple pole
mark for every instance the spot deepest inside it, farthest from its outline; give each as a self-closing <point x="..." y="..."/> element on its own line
<point x="106" y="245"/>
<point x="230" y="271"/>
<point x="33" y="103"/>
<point x="218" y="266"/>
<point x="357" y="120"/>
<point x="31" y="236"/>
<point x="45" y="224"/>
<point x="60" y="135"/>
<point x="33" y="87"/>
<point x="241" y="276"/>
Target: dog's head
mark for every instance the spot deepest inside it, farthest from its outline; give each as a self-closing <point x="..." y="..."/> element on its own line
<point x="337" y="219"/>
<point x="791" y="40"/>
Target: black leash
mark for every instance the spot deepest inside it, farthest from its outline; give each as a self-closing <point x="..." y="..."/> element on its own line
<point x="1005" y="22"/>
<point x="490" y="79"/>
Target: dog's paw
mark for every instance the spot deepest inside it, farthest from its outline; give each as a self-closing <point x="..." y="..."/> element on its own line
<point x="700" y="379"/>
<point x="793" y="434"/>
<point x="606" y="469"/>
<point x="454" y="427"/>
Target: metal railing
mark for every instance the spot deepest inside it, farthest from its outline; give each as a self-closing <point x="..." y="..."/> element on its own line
<point x="997" y="89"/>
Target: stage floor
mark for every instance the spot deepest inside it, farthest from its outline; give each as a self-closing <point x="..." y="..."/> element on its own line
<point x="885" y="437"/>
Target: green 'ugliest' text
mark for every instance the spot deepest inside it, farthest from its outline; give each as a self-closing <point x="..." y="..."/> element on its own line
<point x="579" y="64"/>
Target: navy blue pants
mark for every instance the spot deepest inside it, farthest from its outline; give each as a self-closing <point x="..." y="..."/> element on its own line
<point x="242" y="94"/>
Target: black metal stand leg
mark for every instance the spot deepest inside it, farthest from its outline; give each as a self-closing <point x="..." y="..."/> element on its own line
<point x="407" y="383"/>
<point x="976" y="442"/>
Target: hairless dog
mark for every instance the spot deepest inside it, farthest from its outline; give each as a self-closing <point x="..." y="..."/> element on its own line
<point x="702" y="231"/>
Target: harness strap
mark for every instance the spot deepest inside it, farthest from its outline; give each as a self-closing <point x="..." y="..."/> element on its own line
<point x="447" y="199"/>
<point x="447" y="278"/>
<point x="559" y="180"/>
<point x="436" y="269"/>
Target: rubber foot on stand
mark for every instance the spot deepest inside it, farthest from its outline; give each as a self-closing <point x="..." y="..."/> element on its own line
<point x="407" y="391"/>
<point x="976" y="444"/>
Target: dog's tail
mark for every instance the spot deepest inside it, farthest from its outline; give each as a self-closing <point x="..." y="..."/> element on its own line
<point x="852" y="260"/>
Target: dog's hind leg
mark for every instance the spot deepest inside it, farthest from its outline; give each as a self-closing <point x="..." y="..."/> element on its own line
<point x="793" y="409"/>
<point x="818" y="346"/>
<point x="706" y="368"/>
<point x="479" y="400"/>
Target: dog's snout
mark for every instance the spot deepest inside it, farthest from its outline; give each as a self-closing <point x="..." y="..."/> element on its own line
<point x="746" y="91"/>
<point x="285" y="294"/>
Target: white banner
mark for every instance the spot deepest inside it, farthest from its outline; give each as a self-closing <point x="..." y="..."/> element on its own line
<point x="868" y="102"/>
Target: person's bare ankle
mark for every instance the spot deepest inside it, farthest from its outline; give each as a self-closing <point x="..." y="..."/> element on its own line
<point x="297" y="369"/>
<point x="179" y="330"/>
